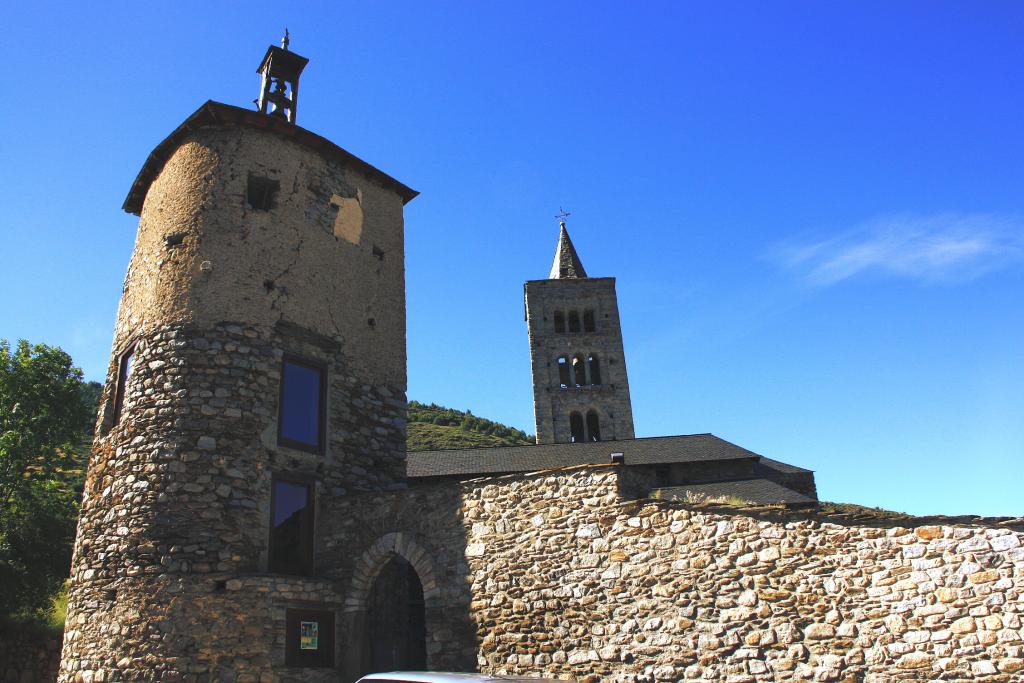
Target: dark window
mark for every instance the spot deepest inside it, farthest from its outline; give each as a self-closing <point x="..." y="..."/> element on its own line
<point x="574" y="321"/>
<point x="261" y="192"/>
<point x="124" y="372"/>
<point x="579" y="374"/>
<point x="301" y="422"/>
<point x="291" y="527"/>
<point x="559" y="322"/>
<point x="588" y="321"/>
<point x="576" y="428"/>
<point x="310" y="638"/>
<point x="563" y="372"/>
<point x="595" y="369"/>
<point x="663" y="475"/>
<point x="593" y="426"/>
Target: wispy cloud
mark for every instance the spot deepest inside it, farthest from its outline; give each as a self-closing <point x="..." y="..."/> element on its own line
<point x="936" y="248"/>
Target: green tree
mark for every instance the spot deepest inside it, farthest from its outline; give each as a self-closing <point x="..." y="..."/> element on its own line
<point x="42" y="413"/>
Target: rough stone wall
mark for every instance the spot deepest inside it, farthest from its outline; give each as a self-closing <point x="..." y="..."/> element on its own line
<point x="552" y="404"/>
<point x="560" y="575"/>
<point x="28" y="657"/>
<point x="288" y="263"/>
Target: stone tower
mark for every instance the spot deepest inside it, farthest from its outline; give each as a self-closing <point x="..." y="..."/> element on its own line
<point x="580" y="389"/>
<point x="258" y="373"/>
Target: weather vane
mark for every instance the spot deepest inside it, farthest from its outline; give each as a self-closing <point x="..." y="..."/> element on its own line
<point x="562" y="215"/>
<point x="285" y="40"/>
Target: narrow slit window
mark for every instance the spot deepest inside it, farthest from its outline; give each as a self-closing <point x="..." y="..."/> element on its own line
<point x="593" y="426"/>
<point x="574" y="321"/>
<point x="301" y="420"/>
<point x="124" y="372"/>
<point x="559" y="322"/>
<point x="576" y="428"/>
<point x="595" y="369"/>
<point x="563" y="372"/>
<point x="291" y="528"/>
<point x="588" y="321"/>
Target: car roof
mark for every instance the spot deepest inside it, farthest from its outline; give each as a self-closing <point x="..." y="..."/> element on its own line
<point x="446" y="677"/>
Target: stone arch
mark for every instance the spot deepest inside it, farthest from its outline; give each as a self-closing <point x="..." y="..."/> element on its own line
<point x="364" y="574"/>
<point x="379" y="554"/>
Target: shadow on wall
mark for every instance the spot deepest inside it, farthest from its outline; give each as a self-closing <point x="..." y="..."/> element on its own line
<point x="401" y="558"/>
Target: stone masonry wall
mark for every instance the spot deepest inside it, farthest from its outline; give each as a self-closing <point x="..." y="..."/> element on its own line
<point x="151" y="581"/>
<point x="560" y="575"/>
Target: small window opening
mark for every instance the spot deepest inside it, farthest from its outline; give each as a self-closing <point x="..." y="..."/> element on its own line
<point x="268" y="285"/>
<point x="291" y="528"/>
<point x="594" y="365"/>
<point x="563" y="372"/>
<point x="588" y="321"/>
<point x="559" y="322"/>
<point x="124" y="373"/>
<point x="371" y="322"/>
<point x="593" y="426"/>
<point x="574" y="321"/>
<point x="579" y="374"/>
<point x="261" y="192"/>
<point x="378" y="252"/>
<point x="663" y="475"/>
<point x="301" y="419"/>
<point x="576" y="428"/>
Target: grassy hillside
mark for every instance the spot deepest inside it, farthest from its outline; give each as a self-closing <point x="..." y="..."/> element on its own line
<point x="433" y="427"/>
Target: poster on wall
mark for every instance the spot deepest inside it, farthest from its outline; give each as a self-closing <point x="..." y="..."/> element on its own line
<point x="309" y="635"/>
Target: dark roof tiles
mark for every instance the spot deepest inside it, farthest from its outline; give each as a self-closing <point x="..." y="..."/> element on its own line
<point x="505" y="459"/>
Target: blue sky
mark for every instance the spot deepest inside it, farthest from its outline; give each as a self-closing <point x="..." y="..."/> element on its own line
<point x="814" y="210"/>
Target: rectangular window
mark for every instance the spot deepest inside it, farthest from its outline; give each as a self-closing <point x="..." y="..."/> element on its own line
<point x="124" y="372"/>
<point x="260" y="193"/>
<point x="310" y="638"/>
<point x="301" y="419"/>
<point x="291" y="527"/>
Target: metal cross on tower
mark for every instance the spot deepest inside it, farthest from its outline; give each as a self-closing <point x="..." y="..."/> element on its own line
<point x="562" y="215"/>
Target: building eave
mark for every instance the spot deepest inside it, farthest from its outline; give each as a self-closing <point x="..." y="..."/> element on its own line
<point x="212" y="114"/>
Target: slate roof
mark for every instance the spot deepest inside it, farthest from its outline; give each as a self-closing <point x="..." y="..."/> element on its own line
<point x="759" y="491"/>
<point x="217" y="114"/>
<point x="567" y="262"/>
<point x="768" y="463"/>
<point x="507" y="459"/>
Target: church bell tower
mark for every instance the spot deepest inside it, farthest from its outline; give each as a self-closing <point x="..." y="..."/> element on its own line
<point x="580" y="388"/>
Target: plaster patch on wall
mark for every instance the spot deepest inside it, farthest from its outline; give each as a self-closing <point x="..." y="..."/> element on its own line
<point x="348" y="223"/>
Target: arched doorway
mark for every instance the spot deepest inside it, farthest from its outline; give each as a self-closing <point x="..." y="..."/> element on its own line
<point x="395" y="620"/>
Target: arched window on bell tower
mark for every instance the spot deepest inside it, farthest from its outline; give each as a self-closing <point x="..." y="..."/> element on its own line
<point x="594" y="366"/>
<point x="593" y="426"/>
<point x="563" y="372"/>
<point x="559" y="322"/>
<point x="576" y="434"/>
<point x="579" y="371"/>
<point x="588" y="320"/>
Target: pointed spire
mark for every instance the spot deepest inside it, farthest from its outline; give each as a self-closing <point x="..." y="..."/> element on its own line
<point x="567" y="263"/>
